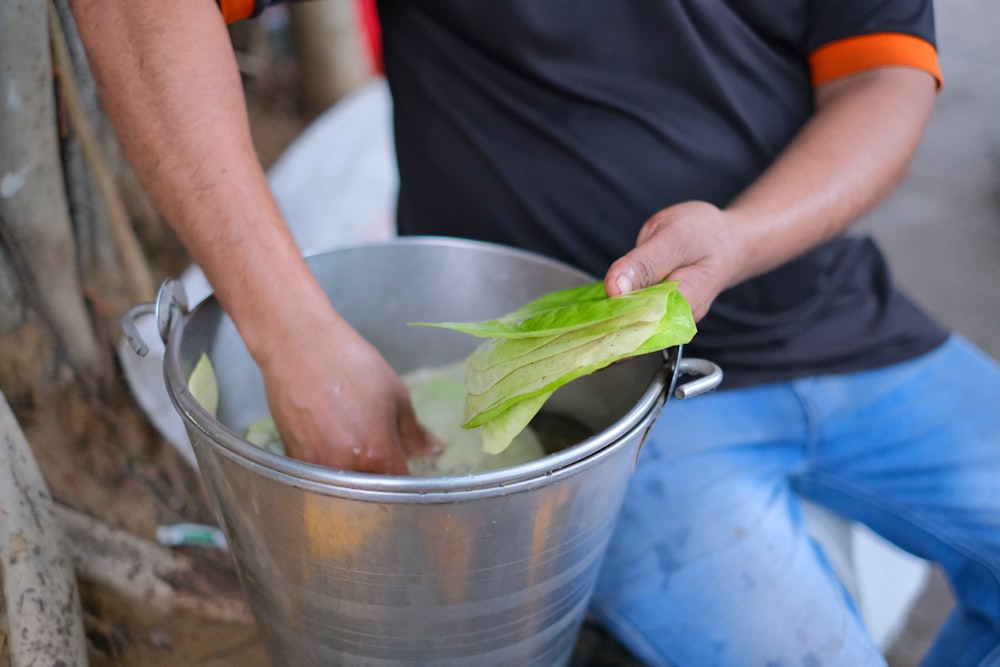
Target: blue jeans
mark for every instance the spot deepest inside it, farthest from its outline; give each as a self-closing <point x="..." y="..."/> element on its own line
<point x="710" y="565"/>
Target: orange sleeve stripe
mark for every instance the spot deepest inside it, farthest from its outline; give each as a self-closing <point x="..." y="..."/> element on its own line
<point x="234" y="10"/>
<point x="880" y="49"/>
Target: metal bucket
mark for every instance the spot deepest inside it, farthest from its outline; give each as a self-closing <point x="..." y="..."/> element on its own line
<point x="344" y="568"/>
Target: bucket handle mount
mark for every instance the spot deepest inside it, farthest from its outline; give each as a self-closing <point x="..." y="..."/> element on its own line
<point x="171" y="303"/>
<point x="709" y="377"/>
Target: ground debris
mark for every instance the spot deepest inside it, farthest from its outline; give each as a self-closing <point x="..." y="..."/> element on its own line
<point x="142" y="570"/>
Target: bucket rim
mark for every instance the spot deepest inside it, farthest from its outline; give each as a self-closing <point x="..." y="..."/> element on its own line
<point x="279" y="467"/>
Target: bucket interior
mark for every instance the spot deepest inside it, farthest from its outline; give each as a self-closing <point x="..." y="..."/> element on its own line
<point x="380" y="288"/>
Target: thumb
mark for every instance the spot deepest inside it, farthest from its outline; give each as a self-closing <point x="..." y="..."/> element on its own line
<point x="640" y="268"/>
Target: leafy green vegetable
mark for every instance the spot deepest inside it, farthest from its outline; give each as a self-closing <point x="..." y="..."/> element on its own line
<point x="264" y="433"/>
<point x="438" y="395"/>
<point x="498" y="434"/>
<point x="550" y="373"/>
<point x="557" y="338"/>
<point x="676" y="328"/>
<point x="557" y="312"/>
<point x="497" y="358"/>
<point x="203" y="386"/>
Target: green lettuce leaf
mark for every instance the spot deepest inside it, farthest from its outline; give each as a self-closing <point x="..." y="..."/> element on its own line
<point x="557" y="338"/>
<point x="264" y="434"/>
<point x="203" y="385"/>
<point x="438" y="395"/>
<point x="547" y="375"/>
<point x="559" y="312"/>
<point x="499" y="357"/>
<point x="498" y="434"/>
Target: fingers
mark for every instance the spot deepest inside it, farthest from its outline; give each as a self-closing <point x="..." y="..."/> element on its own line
<point x="661" y="248"/>
<point x="377" y="453"/>
<point x="371" y="429"/>
<point x="686" y="242"/>
<point x="381" y="460"/>
<point x="643" y="266"/>
<point x="413" y="437"/>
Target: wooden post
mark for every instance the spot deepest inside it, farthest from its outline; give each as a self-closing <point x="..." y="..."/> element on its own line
<point x="44" y="618"/>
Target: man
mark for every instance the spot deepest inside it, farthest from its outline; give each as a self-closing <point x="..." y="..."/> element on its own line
<point x="724" y="144"/>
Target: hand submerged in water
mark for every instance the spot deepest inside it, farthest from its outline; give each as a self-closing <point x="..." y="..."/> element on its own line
<point x="340" y="404"/>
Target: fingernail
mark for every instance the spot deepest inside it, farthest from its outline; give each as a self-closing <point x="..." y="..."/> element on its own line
<point x="624" y="284"/>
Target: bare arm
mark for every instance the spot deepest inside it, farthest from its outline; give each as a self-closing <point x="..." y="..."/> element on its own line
<point x="169" y="82"/>
<point x="850" y="155"/>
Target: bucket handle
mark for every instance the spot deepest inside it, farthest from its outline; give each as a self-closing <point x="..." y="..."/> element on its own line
<point x="171" y="303"/>
<point x="710" y="377"/>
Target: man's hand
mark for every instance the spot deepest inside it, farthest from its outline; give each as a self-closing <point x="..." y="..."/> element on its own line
<point x="334" y="399"/>
<point x="337" y="403"/>
<point x="849" y="156"/>
<point x="691" y="242"/>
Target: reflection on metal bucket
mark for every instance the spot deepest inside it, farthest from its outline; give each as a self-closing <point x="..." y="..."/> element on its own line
<point x="344" y="568"/>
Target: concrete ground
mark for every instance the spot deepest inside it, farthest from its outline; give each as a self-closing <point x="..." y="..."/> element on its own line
<point x="941" y="228"/>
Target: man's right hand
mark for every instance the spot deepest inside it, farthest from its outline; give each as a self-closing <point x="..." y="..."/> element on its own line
<point x="337" y="402"/>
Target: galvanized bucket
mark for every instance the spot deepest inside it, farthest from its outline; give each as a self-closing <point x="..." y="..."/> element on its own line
<point x="344" y="568"/>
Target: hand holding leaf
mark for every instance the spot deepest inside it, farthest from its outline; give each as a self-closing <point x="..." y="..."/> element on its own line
<point x="555" y="339"/>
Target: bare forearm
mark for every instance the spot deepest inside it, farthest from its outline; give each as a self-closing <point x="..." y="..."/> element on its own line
<point x="852" y="153"/>
<point x="169" y="82"/>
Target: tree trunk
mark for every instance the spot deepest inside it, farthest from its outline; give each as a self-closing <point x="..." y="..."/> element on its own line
<point x="46" y="624"/>
<point x="39" y="271"/>
<point x="70" y="264"/>
<point x="81" y="119"/>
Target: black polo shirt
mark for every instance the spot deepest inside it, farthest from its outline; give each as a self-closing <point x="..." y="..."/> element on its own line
<point x="561" y="126"/>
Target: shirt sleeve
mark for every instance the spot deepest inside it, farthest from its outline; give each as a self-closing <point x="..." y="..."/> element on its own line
<point x="236" y="10"/>
<point x="848" y="37"/>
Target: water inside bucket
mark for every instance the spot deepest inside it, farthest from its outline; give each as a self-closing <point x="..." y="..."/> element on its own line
<point x="558" y="431"/>
<point x="554" y="432"/>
